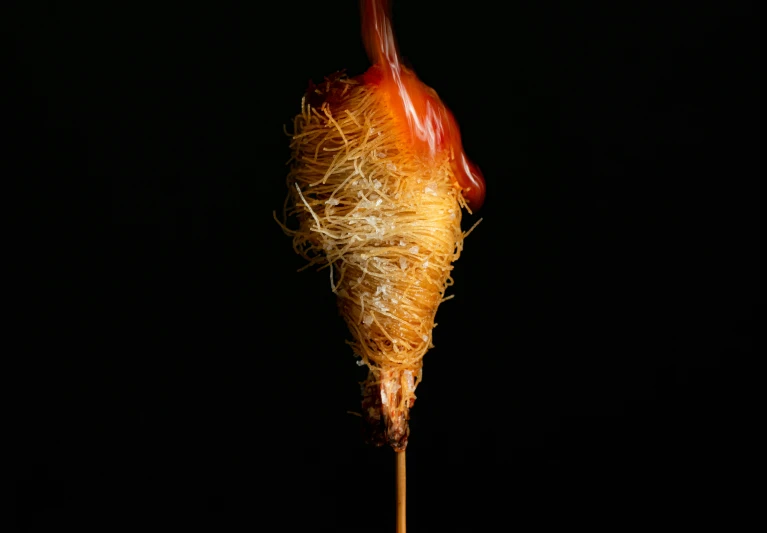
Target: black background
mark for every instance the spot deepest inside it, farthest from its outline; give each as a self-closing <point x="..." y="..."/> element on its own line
<point x="579" y="375"/>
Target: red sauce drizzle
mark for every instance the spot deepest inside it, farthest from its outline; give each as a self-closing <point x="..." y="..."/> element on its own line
<point x="432" y="127"/>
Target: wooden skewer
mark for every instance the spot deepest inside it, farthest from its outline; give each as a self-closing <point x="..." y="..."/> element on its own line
<point x="401" y="482"/>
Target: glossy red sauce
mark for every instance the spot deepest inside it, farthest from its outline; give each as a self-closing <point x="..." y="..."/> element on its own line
<point x="431" y="125"/>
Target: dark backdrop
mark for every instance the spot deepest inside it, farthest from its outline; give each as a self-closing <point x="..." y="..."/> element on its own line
<point x="579" y="374"/>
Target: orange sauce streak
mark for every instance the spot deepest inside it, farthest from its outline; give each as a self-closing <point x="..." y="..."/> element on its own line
<point x="431" y="125"/>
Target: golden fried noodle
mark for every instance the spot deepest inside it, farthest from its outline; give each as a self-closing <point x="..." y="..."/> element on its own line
<point x="387" y="225"/>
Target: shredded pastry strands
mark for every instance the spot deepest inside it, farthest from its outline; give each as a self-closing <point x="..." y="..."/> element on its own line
<point x="386" y="223"/>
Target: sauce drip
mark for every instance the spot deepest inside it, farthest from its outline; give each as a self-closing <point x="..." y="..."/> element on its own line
<point x="432" y="127"/>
